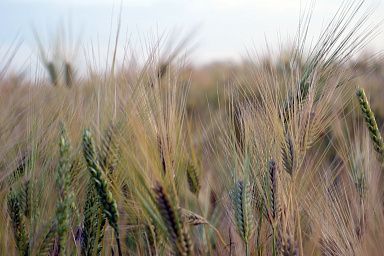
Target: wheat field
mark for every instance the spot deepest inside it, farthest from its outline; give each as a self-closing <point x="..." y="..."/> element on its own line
<point x="278" y="155"/>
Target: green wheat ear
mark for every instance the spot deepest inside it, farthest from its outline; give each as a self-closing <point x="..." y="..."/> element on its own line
<point x="370" y="120"/>
<point x="193" y="179"/>
<point x="94" y="222"/>
<point x="107" y="201"/>
<point x="241" y="200"/>
<point x="63" y="182"/>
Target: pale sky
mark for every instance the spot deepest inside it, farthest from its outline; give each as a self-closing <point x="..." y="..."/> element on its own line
<point x="225" y="29"/>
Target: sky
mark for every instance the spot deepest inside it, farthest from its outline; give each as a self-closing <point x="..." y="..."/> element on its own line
<point x="220" y="29"/>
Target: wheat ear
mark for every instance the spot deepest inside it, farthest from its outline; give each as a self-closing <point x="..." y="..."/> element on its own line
<point x="63" y="183"/>
<point x="93" y="224"/>
<point x="108" y="203"/>
<point x="18" y="224"/>
<point x="241" y="198"/>
<point x="175" y="226"/>
<point x="370" y="120"/>
<point x="274" y="204"/>
<point x="192" y="218"/>
<point x="288" y="154"/>
<point x="193" y="179"/>
<point x="273" y="193"/>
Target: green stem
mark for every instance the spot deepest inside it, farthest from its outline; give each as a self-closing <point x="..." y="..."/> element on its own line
<point x="274" y="251"/>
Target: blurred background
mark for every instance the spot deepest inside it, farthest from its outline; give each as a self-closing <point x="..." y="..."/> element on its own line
<point x="219" y="30"/>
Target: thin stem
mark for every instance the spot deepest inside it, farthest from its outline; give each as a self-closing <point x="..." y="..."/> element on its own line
<point x="247" y="249"/>
<point x="259" y="232"/>
<point x="274" y="251"/>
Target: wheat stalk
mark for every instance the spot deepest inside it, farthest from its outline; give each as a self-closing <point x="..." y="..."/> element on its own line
<point x="161" y="147"/>
<point x="238" y="123"/>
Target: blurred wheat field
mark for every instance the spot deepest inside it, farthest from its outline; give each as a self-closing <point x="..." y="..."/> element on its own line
<point x="279" y="155"/>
